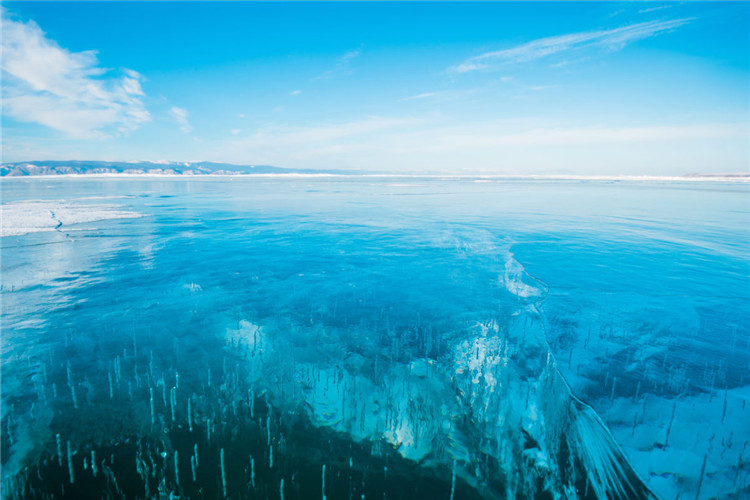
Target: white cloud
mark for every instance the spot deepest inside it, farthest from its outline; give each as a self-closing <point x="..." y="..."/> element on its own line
<point x="67" y="91"/>
<point x="652" y="9"/>
<point x="568" y="62"/>
<point x="349" y="56"/>
<point x="421" y="96"/>
<point x="341" y="68"/>
<point x="180" y="115"/>
<point x="441" y="95"/>
<point x="295" y="92"/>
<point x="235" y="131"/>
<point x="516" y="83"/>
<point x="537" y="88"/>
<point x="613" y="39"/>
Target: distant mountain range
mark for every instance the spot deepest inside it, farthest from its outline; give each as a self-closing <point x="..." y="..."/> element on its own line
<point x="76" y="167"/>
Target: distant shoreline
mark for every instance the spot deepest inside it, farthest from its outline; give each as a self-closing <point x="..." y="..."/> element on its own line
<point x="206" y="169"/>
<point x="728" y="178"/>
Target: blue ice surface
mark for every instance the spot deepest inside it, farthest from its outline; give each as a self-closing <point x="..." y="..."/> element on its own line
<point x="579" y="338"/>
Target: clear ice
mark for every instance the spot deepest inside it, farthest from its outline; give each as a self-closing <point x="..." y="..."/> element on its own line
<point x="342" y="339"/>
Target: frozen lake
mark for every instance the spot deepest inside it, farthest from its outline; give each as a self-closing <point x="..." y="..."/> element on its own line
<point x="360" y="337"/>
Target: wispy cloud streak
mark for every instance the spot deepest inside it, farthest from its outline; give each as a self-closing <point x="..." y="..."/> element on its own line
<point x="180" y="115"/>
<point x="653" y="9"/>
<point x="440" y="95"/>
<point x="67" y="91"/>
<point x="341" y="68"/>
<point x="613" y="39"/>
<point x="422" y="96"/>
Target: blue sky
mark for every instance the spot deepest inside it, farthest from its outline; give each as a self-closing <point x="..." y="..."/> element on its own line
<point x="508" y="88"/>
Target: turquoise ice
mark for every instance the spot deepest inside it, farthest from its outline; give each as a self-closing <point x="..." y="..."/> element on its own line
<point x="470" y="338"/>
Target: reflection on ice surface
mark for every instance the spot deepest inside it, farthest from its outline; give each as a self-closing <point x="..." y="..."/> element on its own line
<point x="315" y="339"/>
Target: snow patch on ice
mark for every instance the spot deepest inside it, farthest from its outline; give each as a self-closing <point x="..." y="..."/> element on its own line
<point x="26" y="217"/>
